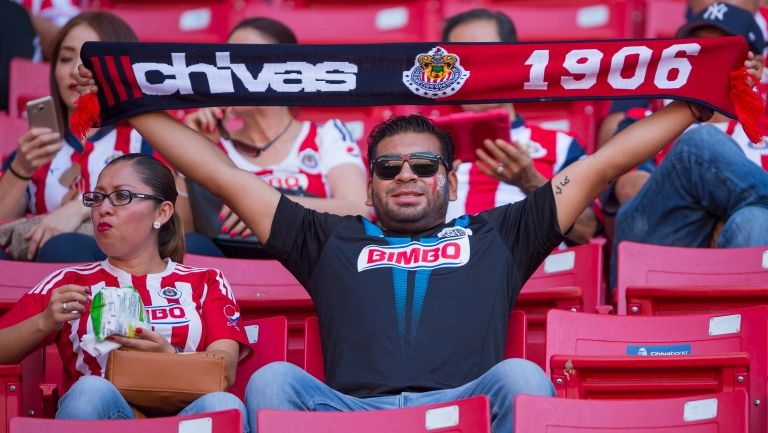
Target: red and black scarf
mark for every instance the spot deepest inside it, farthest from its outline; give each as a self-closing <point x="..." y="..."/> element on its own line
<point x="138" y="77"/>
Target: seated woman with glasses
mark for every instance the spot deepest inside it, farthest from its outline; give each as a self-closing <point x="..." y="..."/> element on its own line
<point x="318" y="165"/>
<point x="132" y="210"/>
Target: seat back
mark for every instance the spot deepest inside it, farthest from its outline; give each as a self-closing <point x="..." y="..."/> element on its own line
<point x="176" y="22"/>
<point x="663" y="17"/>
<point x="602" y="356"/>
<point x="470" y="415"/>
<point x="657" y="275"/>
<point x="11" y="129"/>
<point x="363" y="22"/>
<point x="268" y="338"/>
<point x="28" y="80"/>
<point x="314" y="363"/>
<point x="538" y="20"/>
<point x="576" y="117"/>
<point x="717" y="413"/>
<point x="10" y="394"/>
<point x="264" y="288"/>
<point x="19" y="277"/>
<point x="568" y="280"/>
<point x="230" y="421"/>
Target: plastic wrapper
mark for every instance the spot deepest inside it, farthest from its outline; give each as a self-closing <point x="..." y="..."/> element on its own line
<point x="117" y="311"/>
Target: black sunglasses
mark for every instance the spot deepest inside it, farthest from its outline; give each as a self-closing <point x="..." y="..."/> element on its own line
<point x="423" y="164"/>
<point x="120" y="197"/>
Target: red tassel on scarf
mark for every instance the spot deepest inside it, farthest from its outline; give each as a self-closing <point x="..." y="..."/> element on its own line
<point x="748" y="101"/>
<point x="85" y="116"/>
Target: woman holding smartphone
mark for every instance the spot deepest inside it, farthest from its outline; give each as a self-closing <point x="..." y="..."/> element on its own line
<point x="50" y="168"/>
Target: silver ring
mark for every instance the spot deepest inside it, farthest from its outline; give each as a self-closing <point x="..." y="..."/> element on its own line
<point x="64" y="307"/>
<point x="500" y="169"/>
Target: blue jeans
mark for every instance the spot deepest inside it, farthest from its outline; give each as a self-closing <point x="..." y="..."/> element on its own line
<point x="704" y="179"/>
<point x="93" y="397"/>
<point x="282" y="385"/>
<point x="70" y="248"/>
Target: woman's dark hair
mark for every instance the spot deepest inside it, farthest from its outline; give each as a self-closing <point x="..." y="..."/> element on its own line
<point x="160" y="180"/>
<point x="504" y="25"/>
<point x="410" y="123"/>
<point x="109" y="27"/>
<point x="274" y="29"/>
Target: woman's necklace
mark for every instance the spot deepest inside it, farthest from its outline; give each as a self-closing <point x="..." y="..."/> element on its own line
<point x="247" y="149"/>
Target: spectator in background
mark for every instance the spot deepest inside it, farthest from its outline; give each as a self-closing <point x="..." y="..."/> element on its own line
<point x="507" y="172"/>
<point x="17" y="39"/>
<point x="49" y="170"/>
<point x="319" y="166"/>
<point x="711" y="189"/>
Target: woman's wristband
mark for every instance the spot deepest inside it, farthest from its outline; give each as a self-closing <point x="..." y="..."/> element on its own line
<point x="17" y="174"/>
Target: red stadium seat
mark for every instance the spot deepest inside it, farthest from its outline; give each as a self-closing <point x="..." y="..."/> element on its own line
<point x="470" y="415"/>
<point x="568" y="280"/>
<point x="10" y="394"/>
<point x="264" y="288"/>
<point x="593" y="356"/>
<point x="19" y="277"/>
<point x="28" y="80"/>
<point x="359" y="23"/>
<point x="269" y="343"/>
<point x="538" y="20"/>
<point x="663" y="17"/>
<point x="228" y="421"/>
<point x="718" y="413"/>
<point x="314" y="363"/>
<point x="176" y="22"/>
<point x="11" y="129"/>
<point x="655" y="280"/>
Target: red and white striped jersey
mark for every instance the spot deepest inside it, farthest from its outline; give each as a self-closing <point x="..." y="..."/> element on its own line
<point x="190" y="307"/>
<point x="550" y="150"/>
<point x="318" y="149"/>
<point x="51" y="183"/>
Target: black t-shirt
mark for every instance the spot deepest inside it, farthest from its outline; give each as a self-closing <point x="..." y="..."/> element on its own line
<point x="414" y="312"/>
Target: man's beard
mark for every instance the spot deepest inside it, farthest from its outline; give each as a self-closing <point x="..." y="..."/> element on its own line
<point x="409" y="218"/>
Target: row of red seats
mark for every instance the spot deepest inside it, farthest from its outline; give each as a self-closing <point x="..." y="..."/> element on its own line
<point x="596" y="357"/>
<point x="724" y="412"/>
<point x="399" y="21"/>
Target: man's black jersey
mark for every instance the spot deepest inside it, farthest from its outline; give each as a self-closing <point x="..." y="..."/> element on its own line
<point x="413" y="312"/>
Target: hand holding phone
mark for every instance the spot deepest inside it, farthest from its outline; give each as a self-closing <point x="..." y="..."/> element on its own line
<point x="40" y="144"/>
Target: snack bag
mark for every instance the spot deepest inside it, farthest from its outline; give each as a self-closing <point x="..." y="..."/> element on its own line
<point x="117" y="311"/>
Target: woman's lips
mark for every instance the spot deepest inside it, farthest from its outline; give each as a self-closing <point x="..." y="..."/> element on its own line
<point x="102" y="227"/>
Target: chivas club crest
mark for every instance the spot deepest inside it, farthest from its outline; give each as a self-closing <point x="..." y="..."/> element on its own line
<point x="435" y="74"/>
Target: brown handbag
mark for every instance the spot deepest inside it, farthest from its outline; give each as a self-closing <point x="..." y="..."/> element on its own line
<point x="160" y="384"/>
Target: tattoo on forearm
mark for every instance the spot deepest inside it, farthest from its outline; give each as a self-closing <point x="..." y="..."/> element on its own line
<point x="560" y="185"/>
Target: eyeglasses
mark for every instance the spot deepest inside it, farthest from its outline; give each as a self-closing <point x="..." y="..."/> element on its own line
<point x="423" y="164"/>
<point x="120" y="197"/>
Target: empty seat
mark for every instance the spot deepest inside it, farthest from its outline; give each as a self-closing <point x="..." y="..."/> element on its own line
<point x="176" y="22"/>
<point x="594" y="356"/>
<point x="568" y="280"/>
<point x="11" y="129"/>
<point x="656" y="280"/>
<point x="718" y="413"/>
<point x="663" y="17"/>
<point x="471" y="415"/>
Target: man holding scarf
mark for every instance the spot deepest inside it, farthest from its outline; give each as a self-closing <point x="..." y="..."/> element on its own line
<point x="412" y="310"/>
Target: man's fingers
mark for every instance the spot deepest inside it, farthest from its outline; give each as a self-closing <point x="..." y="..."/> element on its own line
<point x="489" y="162"/>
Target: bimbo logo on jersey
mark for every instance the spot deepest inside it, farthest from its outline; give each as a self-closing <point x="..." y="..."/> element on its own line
<point x="167" y="314"/>
<point x="152" y="78"/>
<point x="447" y="252"/>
